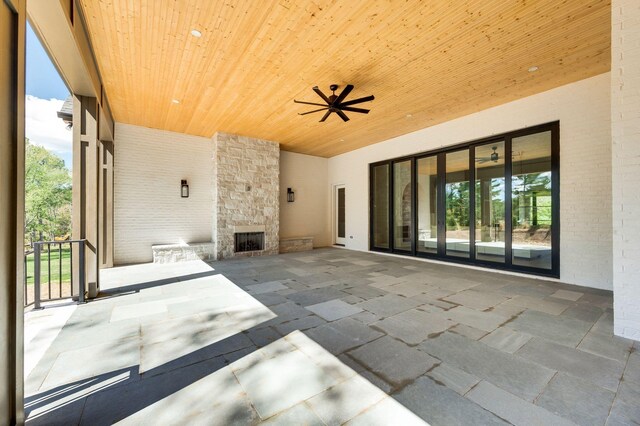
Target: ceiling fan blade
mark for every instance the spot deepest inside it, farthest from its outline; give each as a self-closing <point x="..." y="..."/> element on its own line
<point x="307" y="103"/>
<point x="315" y="110"/>
<point x="344" y="94"/>
<point x="357" y="101"/>
<point x="324" y="98"/>
<point x="352" y="109"/>
<point x="342" y="115"/>
<point x="325" y="116"/>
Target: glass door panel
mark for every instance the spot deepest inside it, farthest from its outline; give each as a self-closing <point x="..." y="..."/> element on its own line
<point x="427" y="176"/>
<point x="490" y="202"/>
<point x="402" y="195"/>
<point x="380" y="206"/>
<point x="457" y="204"/>
<point x="531" y="201"/>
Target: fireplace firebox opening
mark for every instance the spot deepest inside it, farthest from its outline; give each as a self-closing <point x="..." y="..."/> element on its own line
<point x="248" y="241"/>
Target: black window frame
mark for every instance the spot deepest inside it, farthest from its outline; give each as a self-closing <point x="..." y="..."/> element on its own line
<point x="440" y="153"/>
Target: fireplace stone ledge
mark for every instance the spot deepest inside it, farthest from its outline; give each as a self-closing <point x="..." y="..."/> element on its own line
<point x="295" y="244"/>
<point x="173" y="253"/>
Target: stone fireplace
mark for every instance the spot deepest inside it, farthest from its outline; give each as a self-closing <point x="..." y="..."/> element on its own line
<point x="246" y="192"/>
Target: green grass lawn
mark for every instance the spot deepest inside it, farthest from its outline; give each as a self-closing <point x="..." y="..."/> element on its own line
<point x="55" y="266"/>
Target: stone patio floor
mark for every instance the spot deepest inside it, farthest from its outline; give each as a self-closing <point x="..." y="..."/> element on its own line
<point x="330" y="337"/>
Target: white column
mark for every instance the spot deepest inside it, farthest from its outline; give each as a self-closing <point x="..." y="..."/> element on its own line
<point x="625" y="132"/>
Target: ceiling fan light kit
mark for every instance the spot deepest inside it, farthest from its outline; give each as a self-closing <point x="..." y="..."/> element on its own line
<point x="336" y="103"/>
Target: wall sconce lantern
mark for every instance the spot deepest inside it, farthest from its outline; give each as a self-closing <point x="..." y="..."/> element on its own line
<point x="184" y="189"/>
<point x="290" y="195"/>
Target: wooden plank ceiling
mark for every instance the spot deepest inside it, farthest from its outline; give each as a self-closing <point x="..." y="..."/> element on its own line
<point x="426" y="62"/>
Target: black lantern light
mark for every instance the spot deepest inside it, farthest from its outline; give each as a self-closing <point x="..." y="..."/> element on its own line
<point x="290" y="195"/>
<point x="184" y="189"/>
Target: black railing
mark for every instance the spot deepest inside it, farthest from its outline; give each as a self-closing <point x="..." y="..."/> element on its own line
<point x="49" y="272"/>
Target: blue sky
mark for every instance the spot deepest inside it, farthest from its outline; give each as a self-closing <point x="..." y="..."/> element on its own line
<point x="45" y="94"/>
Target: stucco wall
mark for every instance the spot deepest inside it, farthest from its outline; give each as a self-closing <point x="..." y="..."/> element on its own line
<point x="307" y="216"/>
<point x="625" y="116"/>
<point x="148" y="167"/>
<point x="583" y="109"/>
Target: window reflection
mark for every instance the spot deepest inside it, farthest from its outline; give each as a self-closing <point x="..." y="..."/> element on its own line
<point x="427" y="205"/>
<point x="531" y="200"/>
<point x="457" y="204"/>
<point x="489" y="202"/>
<point x="402" y="194"/>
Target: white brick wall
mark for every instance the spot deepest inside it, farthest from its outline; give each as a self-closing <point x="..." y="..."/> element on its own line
<point x="583" y="109"/>
<point x="148" y="167"/>
<point x="625" y="129"/>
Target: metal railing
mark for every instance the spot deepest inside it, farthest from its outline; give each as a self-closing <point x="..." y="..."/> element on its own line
<point x="54" y="261"/>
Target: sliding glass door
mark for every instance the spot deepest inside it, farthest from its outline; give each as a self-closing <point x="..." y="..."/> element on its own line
<point x="532" y="201"/>
<point x="402" y="205"/>
<point x="490" y="202"/>
<point x="457" y="201"/>
<point x="493" y="202"/>
<point x="427" y="197"/>
<point x="380" y="207"/>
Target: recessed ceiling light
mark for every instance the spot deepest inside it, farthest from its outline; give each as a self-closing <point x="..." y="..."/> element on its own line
<point x="196" y="33"/>
<point x="409" y="116"/>
<point x="175" y="101"/>
<point x="533" y="69"/>
<point x="341" y="140"/>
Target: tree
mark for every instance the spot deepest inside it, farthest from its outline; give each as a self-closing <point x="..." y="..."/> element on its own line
<point x="47" y="194"/>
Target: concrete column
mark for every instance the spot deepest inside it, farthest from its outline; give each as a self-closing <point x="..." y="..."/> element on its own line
<point x="12" y="44"/>
<point x="86" y="165"/>
<point x="625" y="133"/>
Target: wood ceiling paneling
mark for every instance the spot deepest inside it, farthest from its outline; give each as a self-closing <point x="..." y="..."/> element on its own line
<point x="434" y="60"/>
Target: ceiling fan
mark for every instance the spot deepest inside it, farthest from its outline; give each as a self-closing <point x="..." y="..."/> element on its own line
<point x="336" y="103"/>
<point x="493" y="157"/>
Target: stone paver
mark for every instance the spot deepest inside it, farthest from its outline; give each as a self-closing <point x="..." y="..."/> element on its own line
<point x="276" y="376"/>
<point x="513" y="409"/>
<point x="453" y="378"/>
<point x="388" y="305"/>
<point x="342" y="335"/>
<point x="601" y="371"/>
<point x="315" y="296"/>
<point x="300" y="414"/>
<point x="424" y="397"/>
<point x="454" y="345"/>
<point x="393" y="360"/>
<point x="514" y="374"/>
<point x="506" y="339"/>
<point x="563" y="330"/>
<point x="487" y="321"/>
<point x="626" y="409"/>
<point x="567" y="295"/>
<point x="386" y="412"/>
<point x="334" y="407"/>
<point x="606" y="345"/>
<point x="475" y="299"/>
<point x="334" y="309"/>
<point x="578" y="400"/>
<point x="267" y="287"/>
<point x="413" y="326"/>
<point x="553" y="307"/>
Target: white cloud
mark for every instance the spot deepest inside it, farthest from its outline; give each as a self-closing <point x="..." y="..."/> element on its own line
<point x="43" y="127"/>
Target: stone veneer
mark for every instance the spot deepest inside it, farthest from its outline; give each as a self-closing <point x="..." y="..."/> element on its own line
<point x="291" y="245"/>
<point x="172" y="253"/>
<point x="246" y="187"/>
